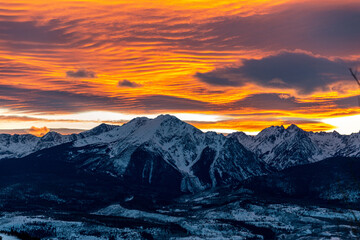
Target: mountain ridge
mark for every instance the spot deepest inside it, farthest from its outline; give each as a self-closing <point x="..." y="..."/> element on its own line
<point x="180" y="145"/>
<point x="282" y="147"/>
<point x="157" y="168"/>
<point x="166" y="142"/>
<point x="276" y="146"/>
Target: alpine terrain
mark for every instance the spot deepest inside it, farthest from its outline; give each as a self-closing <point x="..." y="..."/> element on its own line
<point x="165" y="179"/>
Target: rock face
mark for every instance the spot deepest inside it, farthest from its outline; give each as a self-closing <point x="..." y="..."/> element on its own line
<point x="282" y="148"/>
<point x="333" y="179"/>
<point x="148" y="169"/>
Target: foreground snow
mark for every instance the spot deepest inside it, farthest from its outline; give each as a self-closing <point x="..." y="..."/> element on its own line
<point x="196" y="219"/>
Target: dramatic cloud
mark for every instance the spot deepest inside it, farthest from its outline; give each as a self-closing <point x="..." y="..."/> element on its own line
<point x="70" y="102"/>
<point x="299" y="71"/>
<point x="257" y="124"/>
<point x="48" y="101"/>
<point x="172" y="103"/>
<point x="32" y="31"/>
<point x="214" y="78"/>
<point x="81" y="73"/>
<point x="273" y="101"/>
<point x="168" y="45"/>
<point x="12" y="68"/>
<point x="326" y="29"/>
<point x="39" y="132"/>
<point x="127" y="83"/>
<point x="347" y="102"/>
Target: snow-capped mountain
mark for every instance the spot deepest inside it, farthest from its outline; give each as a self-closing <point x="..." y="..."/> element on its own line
<point x="164" y="151"/>
<point x="132" y="182"/>
<point x="15" y="146"/>
<point x="168" y="151"/>
<point x="282" y="147"/>
<point x="149" y="146"/>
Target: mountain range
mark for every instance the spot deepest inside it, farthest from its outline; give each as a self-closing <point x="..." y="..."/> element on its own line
<point x="282" y="147"/>
<point x="147" y="151"/>
<point x="168" y="154"/>
<point x="187" y="149"/>
<point x="171" y="179"/>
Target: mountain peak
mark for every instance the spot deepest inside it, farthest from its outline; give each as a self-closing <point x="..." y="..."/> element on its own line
<point x="166" y="117"/>
<point x="293" y="128"/>
<point x="100" y="129"/>
<point x="271" y="131"/>
<point x="335" y="133"/>
<point x="169" y="124"/>
<point x="140" y="121"/>
<point x="104" y="126"/>
<point x="51" y="136"/>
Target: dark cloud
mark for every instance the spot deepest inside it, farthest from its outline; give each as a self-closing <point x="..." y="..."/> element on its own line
<point x="340" y="24"/>
<point x="327" y="30"/>
<point x="299" y="71"/>
<point x="165" y="102"/>
<point x="216" y="79"/>
<point x="273" y="101"/>
<point x="34" y="100"/>
<point x="12" y="68"/>
<point x="286" y="102"/>
<point x="47" y="101"/>
<point x="81" y="73"/>
<point x="347" y="102"/>
<point x="127" y="83"/>
<point x="31" y="31"/>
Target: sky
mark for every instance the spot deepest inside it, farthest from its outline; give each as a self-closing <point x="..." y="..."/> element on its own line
<point x="230" y="65"/>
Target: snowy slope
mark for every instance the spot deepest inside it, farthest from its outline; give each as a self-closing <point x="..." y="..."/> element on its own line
<point x="15" y="146"/>
<point x="181" y="146"/>
<point x="171" y="146"/>
<point x="282" y="148"/>
<point x="162" y="153"/>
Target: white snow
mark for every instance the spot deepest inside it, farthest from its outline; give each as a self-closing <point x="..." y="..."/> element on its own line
<point x="271" y="144"/>
<point x="118" y="210"/>
<point x="7" y="237"/>
<point x="14" y="146"/>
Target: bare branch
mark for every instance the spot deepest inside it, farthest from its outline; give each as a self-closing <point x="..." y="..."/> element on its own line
<point x="354" y="76"/>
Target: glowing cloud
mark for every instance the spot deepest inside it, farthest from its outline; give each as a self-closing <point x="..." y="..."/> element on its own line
<point x="39" y="132"/>
<point x="233" y="59"/>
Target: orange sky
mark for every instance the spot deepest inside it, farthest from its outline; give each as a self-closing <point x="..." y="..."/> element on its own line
<point x="229" y="65"/>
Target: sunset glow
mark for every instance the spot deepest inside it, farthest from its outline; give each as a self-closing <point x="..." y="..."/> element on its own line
<point x="219" y="65"/>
